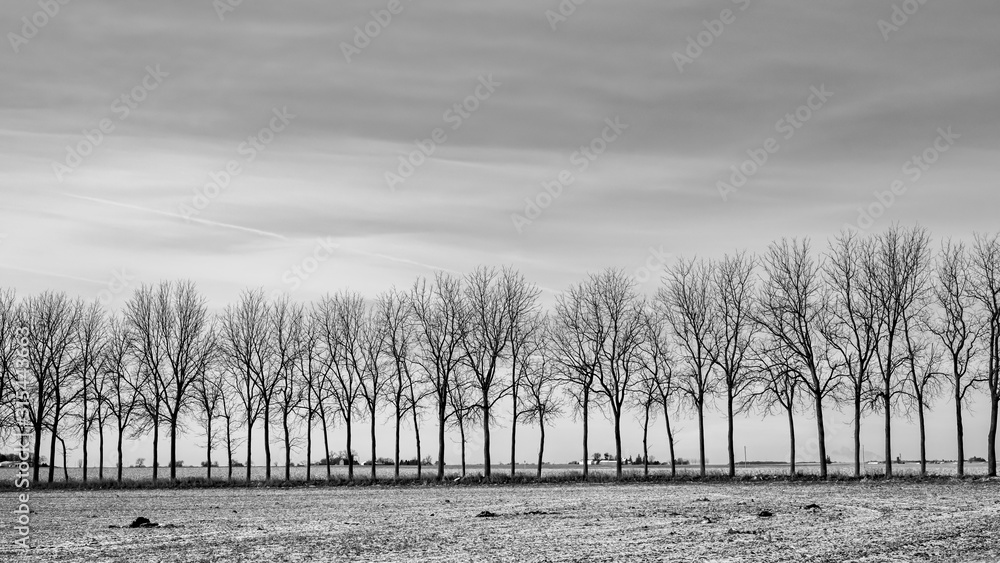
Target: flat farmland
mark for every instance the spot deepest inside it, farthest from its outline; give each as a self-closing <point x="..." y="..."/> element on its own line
<point x="943" y="520"/>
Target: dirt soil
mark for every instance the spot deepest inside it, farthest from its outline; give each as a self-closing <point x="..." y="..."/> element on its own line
<point x="766" y="522"/>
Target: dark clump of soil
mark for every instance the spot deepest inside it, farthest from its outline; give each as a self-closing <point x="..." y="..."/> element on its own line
<point x="143" y="522"/>
<point x="811" y="507"/>
<point x="765" y="514"/>
<point x="486" y="514"/>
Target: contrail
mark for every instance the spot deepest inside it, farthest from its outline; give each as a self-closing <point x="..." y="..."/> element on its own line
<point x="400" y="260"/>
<point x="53" y="275"/>
<point x="179" y="216"/>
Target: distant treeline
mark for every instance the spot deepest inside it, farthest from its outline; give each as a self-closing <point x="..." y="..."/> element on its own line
<point x="881" y="323"/>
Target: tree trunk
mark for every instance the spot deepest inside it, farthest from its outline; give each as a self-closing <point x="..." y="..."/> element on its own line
<point x="208" y="448"/>
<point x="173" y="448"/>
<point x="100" y="454"/>
<point x="309" y="444"/>
<point x="350" y="452"/>
<point x="38" y="441"/>
<point x="923" y="438"/>
<point x="288" y="446"/>
<point x="586" y="428"/>
<point x="441" y="421"/>
<point x="791" y="443"/>
<point x="701" y="434"/>
<point x="267" y="442"/>
<point x="670" y="442"/>
<point x="541" y="445"/>
<point x="645" y="443"/>
<point x="888" y="431"/>
<point x="326" y="445"/>
<point x="249" y="444"/>
<point x="487" y="455"/>
<point x="416" y="435"/>
<point x="513" y="438"/>
<point x="86" y="432"/>
<point x="857" y="433"/>
<point x="374" y="465"/>
<point x="461" y="431"/>
<point x="229" y="451"/>
<point x="65" y="462"/>
<point x="959" y="429"/>
<point x="52" y="446"/>
<point x="399" y="417"/>
<point x="821" y="436"/>
<point x="991" y="448"/>
<point x="618" y="442"/>
<point x="121" y="454"/>
<point x="156" y="447"/>
<point x="732" y="446"/>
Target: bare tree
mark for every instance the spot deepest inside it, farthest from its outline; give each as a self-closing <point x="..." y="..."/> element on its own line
<point x="310" y="383"/>
<point x="244" y="347"/>
<point x="209" y="390"/>
<point x="442" y="323"/>
<point x="145" y="330"/>
<point x="395" y="316"/>
<point x="852" y="328"/>
<point x="341" y="324"/>
<point x="10" y="324"/>
<point x="687" y="299"/>
<point x="900" y="275"/>
<point x="986" y="290"/>
<point x="229" y="412"/>
<point x="91" y="339"/>
<point x="777" y="387"/>
<point x="619" y="311"/>
<point x="187" y="342"/>
<point x="733" y="334"/>
<point x="923" y="364"/>
<point x="792" y="305"/>
<point x="377" y="366"/>
<point x="52" y="320"/>
<point x="462" y="404"/>
<point x="287" y="326"/>
<point x="485" y="344"/>
<point x="542" y="402"/>
<point x="575" y="340"/>
<point x="123" y="397"/>
<point x="522" y="311"/>
<point x="957" y="329"/>
<point x="658" y="379"/>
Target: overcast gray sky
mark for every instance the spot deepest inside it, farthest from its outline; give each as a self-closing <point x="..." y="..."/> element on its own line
<point x="180" y="89"/>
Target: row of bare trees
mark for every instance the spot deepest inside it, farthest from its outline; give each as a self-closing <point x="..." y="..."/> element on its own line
<point x="880" y="324"/>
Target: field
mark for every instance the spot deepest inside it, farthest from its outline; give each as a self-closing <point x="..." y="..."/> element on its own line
<point x="903" y="520"/>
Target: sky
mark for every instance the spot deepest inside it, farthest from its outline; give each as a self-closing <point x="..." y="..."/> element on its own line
<point x="308" y="147"/>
